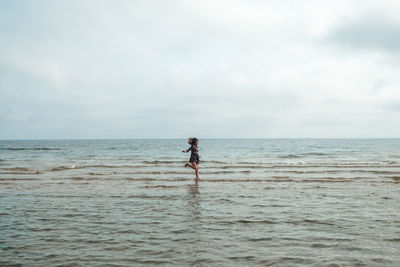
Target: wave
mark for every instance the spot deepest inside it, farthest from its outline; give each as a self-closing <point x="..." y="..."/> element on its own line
<point x="290" y="156"/>
<point x="274" y="179"/>
<point x="395" y="178"/>
<point x="376" y="172"/>
<point x="156" y="179"/>
<point x="21" y="173"/>
<point x="81" y="178"/>
<point x="161" y="161"/>
<point x="16" y="169"/>
<point x="247" y="166"/>
<point x="392" y="239"/>
<point x="313" y="172"/>
<point x="159" y="186"/>
<point x="280" y="177"/>
<point x="34" y="148"/>
<point x="157" y="162"/>
<point x="333" y="163"/>
<point x="336" y="171"/>
<point x="318" y="222"/>
<point x="244" y="221"/>
<point x="62" y="168"/>
<point x="302" y="155"/>
<point x="243" y="167"/>
<point x="283" y="179"/>
<point x="77" y="178"/>
<point x="315" y="154"/>
<point x="18" y="179"/>
<point x="304" y="165"/>
<point x="282" y="170"/>
<point x="164" y="172"/>
<point x="234" y="180"/>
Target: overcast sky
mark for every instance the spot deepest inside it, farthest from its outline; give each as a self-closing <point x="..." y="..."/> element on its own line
<point x="172" y="69"/>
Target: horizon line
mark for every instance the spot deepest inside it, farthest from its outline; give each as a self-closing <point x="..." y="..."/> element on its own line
<point x="177" y="138"/>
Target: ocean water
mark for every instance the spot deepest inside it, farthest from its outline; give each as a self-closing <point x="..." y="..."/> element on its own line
<point x="259" y="202"/>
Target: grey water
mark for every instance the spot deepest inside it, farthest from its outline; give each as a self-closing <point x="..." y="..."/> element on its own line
<point x="259" y="202"/>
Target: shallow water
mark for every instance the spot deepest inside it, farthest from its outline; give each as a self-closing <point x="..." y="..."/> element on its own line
<point x="281" y="202"/>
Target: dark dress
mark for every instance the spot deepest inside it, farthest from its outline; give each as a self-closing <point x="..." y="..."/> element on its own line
<point x="194" y="156"/>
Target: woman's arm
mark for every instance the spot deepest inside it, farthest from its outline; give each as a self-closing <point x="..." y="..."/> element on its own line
<point x="187" y="150"/>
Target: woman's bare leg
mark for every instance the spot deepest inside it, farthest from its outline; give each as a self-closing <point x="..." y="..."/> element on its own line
<point x="190" y="165"/>
<point x="196" y="167"/>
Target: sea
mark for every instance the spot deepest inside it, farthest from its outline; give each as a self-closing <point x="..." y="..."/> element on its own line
<point x="258" y="202"/>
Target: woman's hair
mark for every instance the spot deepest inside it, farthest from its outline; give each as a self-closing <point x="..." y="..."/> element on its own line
<point x="193" y="140"/>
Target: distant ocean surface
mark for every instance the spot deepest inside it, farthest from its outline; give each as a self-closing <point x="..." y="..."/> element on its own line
<point x="259" y="202"/>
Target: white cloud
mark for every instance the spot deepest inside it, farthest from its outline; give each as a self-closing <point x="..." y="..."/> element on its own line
<point x="177" y="68"/>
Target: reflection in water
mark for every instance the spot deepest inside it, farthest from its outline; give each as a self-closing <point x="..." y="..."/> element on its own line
<point x="194" y="189"/>
<point x="194" y="224"/>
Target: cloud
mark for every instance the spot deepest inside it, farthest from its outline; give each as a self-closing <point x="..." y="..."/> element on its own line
<point x="179" y="68"/>
<point x="371" y="31"/>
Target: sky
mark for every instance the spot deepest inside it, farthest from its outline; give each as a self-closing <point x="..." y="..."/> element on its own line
<point x="212" y="69"/>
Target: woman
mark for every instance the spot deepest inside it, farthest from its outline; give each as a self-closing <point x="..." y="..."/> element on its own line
<point x="194" y="156"/>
